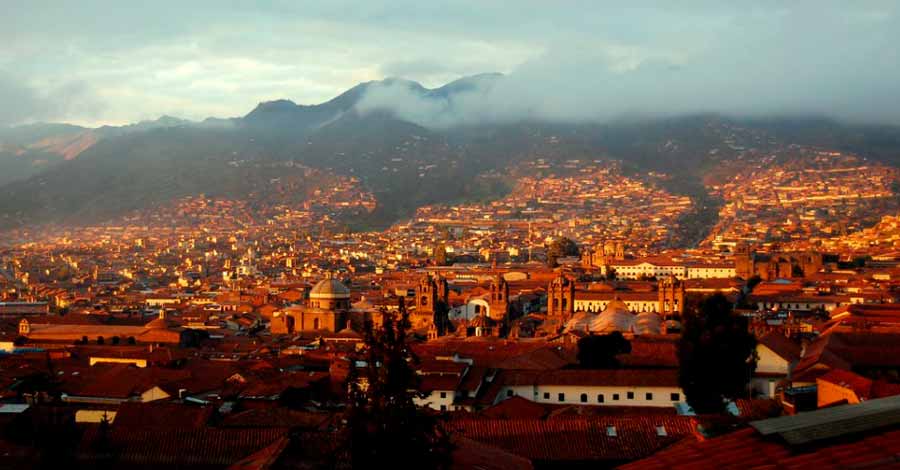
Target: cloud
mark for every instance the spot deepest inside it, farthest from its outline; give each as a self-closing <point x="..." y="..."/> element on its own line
<point x="19" y="101"/>
<point x="567" y="60"/>
<point x="25" y="103"/>
<point x="835" y="62"/>
<point x="413" y="68"/>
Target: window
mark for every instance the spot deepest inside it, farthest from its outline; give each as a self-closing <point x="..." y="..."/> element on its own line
<point x="443" y="394"/>
<point x="561" y="397"/>
<point x="615" y="397"/>
<point x="649" y="396"/>
<point x="584" y="397"/>
<point x="661" y="431"/>
<point x="600" y="398"/>
<point x="443" y="407"/>
<point x="316" y="324"/>
<point x="611" y="431"/>
<point x="509" y="393"/>
<point x="546" y="395"/>
<point x="674" y="397"/>
<point x="630" y="395"/>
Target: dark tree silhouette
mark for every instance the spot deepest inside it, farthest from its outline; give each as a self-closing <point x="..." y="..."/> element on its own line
<point x="599" y="352"/>
<point x="441" y="258"/>
<point x="717" y="356"/>
<point x="559" y="248"/>
<point x="442" y="317"/>
<point x="385" y="429"/>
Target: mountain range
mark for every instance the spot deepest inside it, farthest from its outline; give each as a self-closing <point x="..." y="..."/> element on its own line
<point x="70" y="174"/>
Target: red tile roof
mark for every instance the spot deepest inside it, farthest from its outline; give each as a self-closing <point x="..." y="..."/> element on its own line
<point x="134" y="415"/>
<point x="846" y="349"/>
<point x="497" y="353"/>
<point x="469" y="454"/>
<point x="277" y="418"/>
<point x="863" y="387"/>
<point x="515" y="408"/>
<point x="748" y="450"/>
<point x="439" y="382"/>
<point x="781" y="345"/>
<point x="203" y="448"/>
<point x="585" y="439"/>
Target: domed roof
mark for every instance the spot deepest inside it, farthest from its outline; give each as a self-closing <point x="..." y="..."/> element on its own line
<point x="647" y="323"/>
<point x="615" y="317"/>
<point x="329" y="289"/>
<point x="581" y="321"/>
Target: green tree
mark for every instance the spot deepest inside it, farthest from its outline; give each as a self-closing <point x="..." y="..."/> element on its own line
<point x="599" y="352"/>
<point x="560" y="248"/>
<point x="716" y="354"/>
<point x="385" y="429"/>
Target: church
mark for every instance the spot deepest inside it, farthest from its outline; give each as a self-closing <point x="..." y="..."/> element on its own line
<point x="604" y="311"/>
<point x="326" y="309"/>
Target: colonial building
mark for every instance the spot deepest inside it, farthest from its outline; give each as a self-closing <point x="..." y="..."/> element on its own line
<point x="620" y="387"/>
<point x="770" y="266"/>
<point x="158" y="330"/>
<point x="430" y="291"/>
<point x="604" y="254"/>
<point x="561" y="298"/>
<point x="499" y="300"/>
<point x="564" y="299"/>
<point x="616" y="317"/>
<point x="327" y="309"/>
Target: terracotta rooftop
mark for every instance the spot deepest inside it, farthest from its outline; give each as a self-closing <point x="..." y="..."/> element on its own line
<point x="201" y="448"/>
<point x="161" y="415"/>
<point x="616" y="439"/>
<point x="859" y="436"/>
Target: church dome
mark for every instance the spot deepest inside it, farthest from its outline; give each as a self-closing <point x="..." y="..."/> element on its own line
<point x="329" y="289"/>
<point x="615" y="317"/>
<point x="647" y="323"/>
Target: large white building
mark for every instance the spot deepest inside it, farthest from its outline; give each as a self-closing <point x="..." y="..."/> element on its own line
<point x="661" y="267"/>
<point x="619" y="387"/>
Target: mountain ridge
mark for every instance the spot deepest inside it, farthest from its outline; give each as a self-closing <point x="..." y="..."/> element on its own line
<point x="405" y="164"/>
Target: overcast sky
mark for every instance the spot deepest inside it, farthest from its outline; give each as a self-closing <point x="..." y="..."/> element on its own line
<point x="93" y="62"/>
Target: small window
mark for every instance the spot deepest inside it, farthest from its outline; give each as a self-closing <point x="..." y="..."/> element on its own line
<point x="443" y="394"/>
<point x="615" y="397"/>
<point x="630" y="395"/>
<point x="584" y="397"/>
<point x="546" y="395"/>
<point x="661" y="431"/>
<point x="600" y="398"/>
<point x="561" y="397"/>
<point x="674" y="397"/>
<point x="509" y="393"/>
<point x="649" y="396"/>
<point x="443" y="407"/>
<point x="611" y="431"/>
